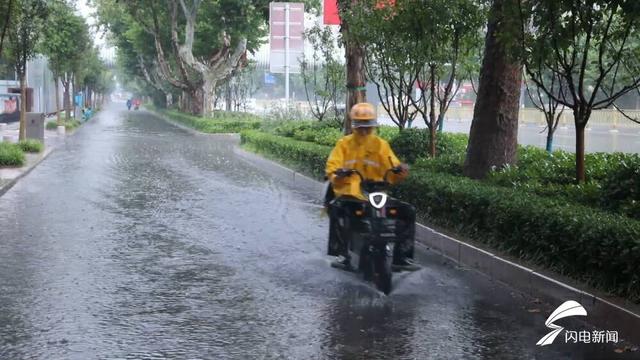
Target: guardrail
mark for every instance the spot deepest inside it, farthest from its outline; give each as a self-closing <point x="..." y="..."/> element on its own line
<point x="529" y="116"/>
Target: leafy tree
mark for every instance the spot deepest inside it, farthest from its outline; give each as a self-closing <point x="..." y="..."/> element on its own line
<point x="92" y="77"/>
<point x="65" y="41"/>
<point x="323" y="74"/>
<point x="454" y="28"/>
<point x="417" y="42"/>
<point x="7" y="8"/>
<point x="23" y="33"/>
<point x="551" y="108"/>
<point x="392" y="61"/>
<point x="136" y="62"/>
<point x="244" y="86"/>
<point x="585" y="44"/>
<point x="201" y="53"/>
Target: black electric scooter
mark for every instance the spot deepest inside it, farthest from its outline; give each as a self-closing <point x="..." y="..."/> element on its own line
<point x="372" y="230"/>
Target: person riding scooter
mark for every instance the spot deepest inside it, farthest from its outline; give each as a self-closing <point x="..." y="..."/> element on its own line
<point x="372" y="157"/>
<point x="136" y="104"/>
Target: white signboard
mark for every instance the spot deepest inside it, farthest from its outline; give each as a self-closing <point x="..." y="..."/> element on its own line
<point x="286" y="37"/>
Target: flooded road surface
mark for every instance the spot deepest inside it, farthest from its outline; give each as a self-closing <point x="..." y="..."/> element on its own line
<point x="138" y="240"/>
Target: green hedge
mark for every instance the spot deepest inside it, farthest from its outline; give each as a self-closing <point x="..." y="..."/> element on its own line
<point x="31" y="146"/>
<point x="11" y="155"/>
<point x="599" y="248"/>
<point x="68" y="124"/>
<point x="304" y="156"/>
<point x="222" y="122"/>
<point x="621" y="189"/>
<point x="593" y="246"/>
<point x="51" y="125"/>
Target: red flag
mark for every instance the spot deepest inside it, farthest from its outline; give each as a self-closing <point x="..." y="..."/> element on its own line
<point x="331" y="14"/>
<point x="384" y="3"/>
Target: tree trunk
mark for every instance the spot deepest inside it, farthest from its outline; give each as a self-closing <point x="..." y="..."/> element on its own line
<point x="432" y="112"/>
<point x="57" y="88"/>
<point x="549" y="142"/>
<point x="580" y="166"/>
<point x="66" y="99"/>
<point x="73" y="93"/>
<point x="7" y="22"/>
<point x="195" y="99"/>
<point x="182" y="104"/>
<point x="229" y="96"/>
<point x="493" y="138"/>
<point x="208" y="98"/>
<point x="440" y="122"/>
<point x="356" y="92"/>
<point x="356" y="77"/>
<point x="23" y="107"/>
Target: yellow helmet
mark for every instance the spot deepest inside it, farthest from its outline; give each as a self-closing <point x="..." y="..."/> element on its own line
<point x="363" y="115"/>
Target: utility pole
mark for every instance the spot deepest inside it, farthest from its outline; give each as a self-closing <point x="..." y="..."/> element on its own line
<point x="286" y="53"/>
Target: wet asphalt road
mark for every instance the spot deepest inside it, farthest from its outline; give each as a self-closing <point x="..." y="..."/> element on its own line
<point x="138" y="240"/>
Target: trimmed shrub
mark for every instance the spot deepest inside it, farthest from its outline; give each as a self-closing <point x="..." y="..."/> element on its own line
<point x="304" y="156"/>
<point x="621" y="188"/>
<point x="412" y="144"/>
<point x="445" y="163"/>
<point x="31" y="146"/>
<point x="222" y="122"/>
<point x="68" y="124"/>
<point x="72" y="124"/>
<point x="592" y="246"/>
<point x="388" y="132"/>
<point x="11" y="155"/>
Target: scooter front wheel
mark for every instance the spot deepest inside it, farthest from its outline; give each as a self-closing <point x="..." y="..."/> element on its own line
<point x="383" y="273"/>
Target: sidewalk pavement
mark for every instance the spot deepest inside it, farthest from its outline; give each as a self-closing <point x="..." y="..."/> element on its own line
<point x="9" y="176"/>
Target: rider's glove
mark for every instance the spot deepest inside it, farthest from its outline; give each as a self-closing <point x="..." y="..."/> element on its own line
<point x="342" y="173"/>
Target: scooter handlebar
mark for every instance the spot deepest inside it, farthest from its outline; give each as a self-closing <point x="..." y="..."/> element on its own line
<point x="348" y="172"/>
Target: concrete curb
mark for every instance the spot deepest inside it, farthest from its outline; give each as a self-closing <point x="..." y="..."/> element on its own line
<point x="602" y="313"/>
<point x="13" y="181"/>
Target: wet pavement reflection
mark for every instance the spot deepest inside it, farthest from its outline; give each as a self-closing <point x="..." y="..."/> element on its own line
<point x="138" y="240"/>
